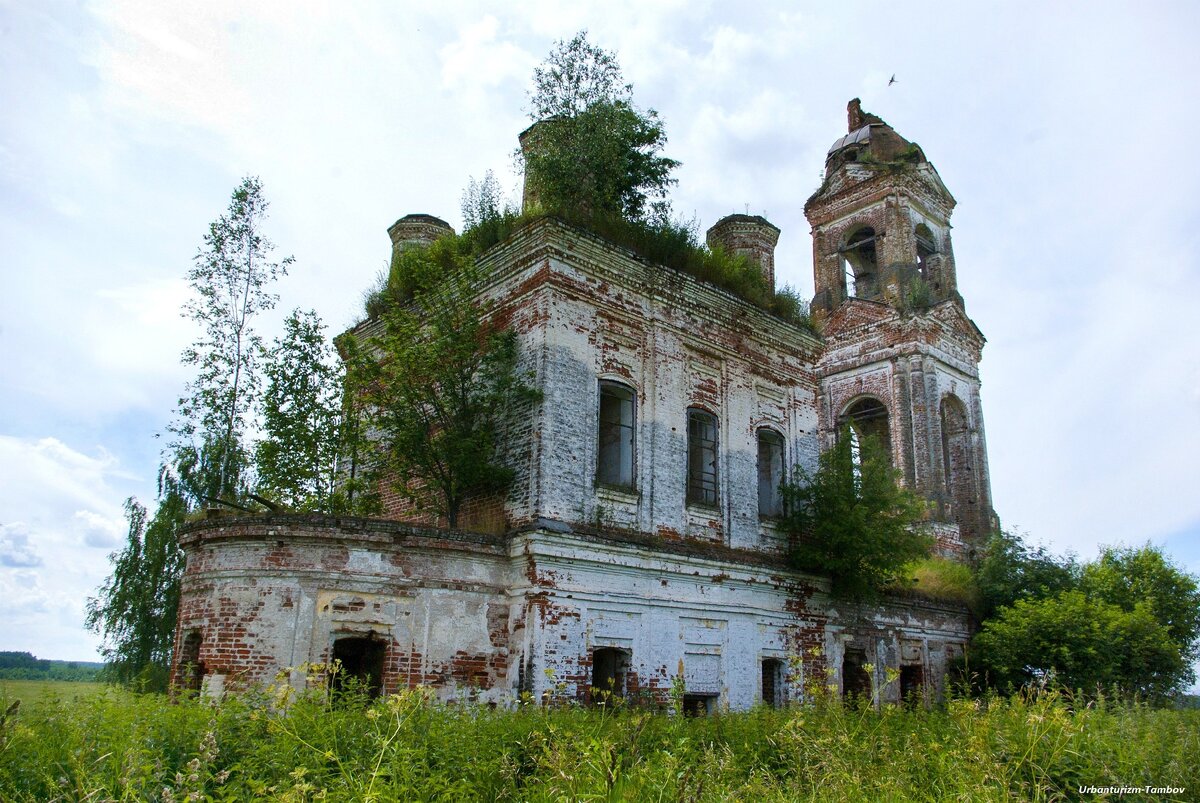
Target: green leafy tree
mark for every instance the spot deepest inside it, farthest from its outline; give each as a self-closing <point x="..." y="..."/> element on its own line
<point x="487" y="217"/>
<point x="1129" y="620"/>
<point x="482" y="202"/>
<point x="852" y="520"/>
<point x="1010" y="570"/>
<point x="574" y="77"/>
<point x="1081" y="643"/>
<point x="592" y="152"/>
<point x="440" y="382"/>
<point x="297" y="458"/>
<point x="1129" y="578"/>
<point x="136" y="607"/>
<point x="230" y="278"/>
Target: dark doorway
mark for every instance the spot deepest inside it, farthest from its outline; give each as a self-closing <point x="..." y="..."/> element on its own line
<point x="912" y="685"/>
<point x="191" y="671"/>
<point x="361" y="665"/>
<point x="855" y="680"/>
<point x="609" y="666"/>
<point x="699" y="705"/>
<point x="772" y="682"/>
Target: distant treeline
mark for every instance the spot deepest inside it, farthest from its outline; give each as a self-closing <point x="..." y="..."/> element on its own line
<point x="24" y="666"/>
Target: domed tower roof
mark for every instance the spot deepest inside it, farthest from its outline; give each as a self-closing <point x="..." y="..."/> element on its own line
<point x="871" y="140"/>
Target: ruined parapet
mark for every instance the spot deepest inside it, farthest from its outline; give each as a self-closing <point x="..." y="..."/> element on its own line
<point x="417" y="230"/>
<point x="870" y="140"/>
<point x="752" y="236"/>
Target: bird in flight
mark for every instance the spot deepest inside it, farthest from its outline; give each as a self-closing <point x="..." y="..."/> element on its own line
<point x="893" y="79"/>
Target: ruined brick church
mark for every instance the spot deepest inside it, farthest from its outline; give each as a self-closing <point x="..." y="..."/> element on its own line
<point x="638" y="547"/>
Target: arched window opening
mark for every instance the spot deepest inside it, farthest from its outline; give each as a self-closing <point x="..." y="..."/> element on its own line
<point x="859" y="263"/>
<point x="868" y="418"/>
<point x="359" y="662"/>
<point x="770" y="473"/>
<point x="191" y="670"/>
<point x="926" y="247"/>
<point x="772" y="683"/>
<point x="702" y="458"/>
<point x="615" y="455"/>
<point x="609" y="669"/>
<point x="957" y="469"/>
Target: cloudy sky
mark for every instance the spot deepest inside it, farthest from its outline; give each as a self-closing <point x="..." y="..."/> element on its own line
<point x="1062" y="130"/>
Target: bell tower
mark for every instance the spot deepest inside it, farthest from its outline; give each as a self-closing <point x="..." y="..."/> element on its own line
<point x="902" y="358"/>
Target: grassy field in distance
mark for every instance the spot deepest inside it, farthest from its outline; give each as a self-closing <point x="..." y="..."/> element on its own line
<point x="29" y="691"/>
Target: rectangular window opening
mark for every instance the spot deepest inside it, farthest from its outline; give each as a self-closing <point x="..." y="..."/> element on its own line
<point x="610" y="666"/>
<point x="699" y="705"/>
<point x="855" y="680"/>
<point x="912" y="685"/>
<point x="359" y="661"/>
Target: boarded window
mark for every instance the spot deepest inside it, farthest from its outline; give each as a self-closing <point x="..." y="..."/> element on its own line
<point x="615" y="455"/>
<point x="361" y="665"/>
<point x="772" y="682"/>
<point x="702" y="458"/>
<point x="770" y="473"/>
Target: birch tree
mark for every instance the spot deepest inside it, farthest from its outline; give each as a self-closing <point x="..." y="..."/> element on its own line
<point x="230" y="276"/>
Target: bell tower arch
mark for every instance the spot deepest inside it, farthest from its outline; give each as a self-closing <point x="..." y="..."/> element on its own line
<point x="894" y="323"/>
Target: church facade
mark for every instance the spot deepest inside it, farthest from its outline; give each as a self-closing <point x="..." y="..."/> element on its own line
<point x="637" y="549"/>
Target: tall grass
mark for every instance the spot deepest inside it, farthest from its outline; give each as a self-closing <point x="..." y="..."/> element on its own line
<point x="1040" y="746"/>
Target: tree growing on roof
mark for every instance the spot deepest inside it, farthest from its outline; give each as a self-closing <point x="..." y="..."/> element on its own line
<point x="591" y="152"/>
<point x="230" y="277"/>
<point x="440" y="381"/>
<point x="207" y="459"/>
<point x="297" y="458"/>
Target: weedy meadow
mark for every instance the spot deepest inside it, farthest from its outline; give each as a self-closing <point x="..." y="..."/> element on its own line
<point x="313" y="746"/>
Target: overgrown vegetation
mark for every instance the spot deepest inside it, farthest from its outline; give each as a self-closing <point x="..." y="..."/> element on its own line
<point x="852" y="521"/>
<point x="211" y="458"/>
<point x="1129" y="620"/>
<point x="592" y="153"/>
<point x="1036" y="746"/>
<point x="1127" y="623"/>
<point x="136" y="607"/>
<point x="440" y="384"/>
<point x="668" y="244"/>
<point x="594" y="162"/>
<point x="310" y="455"/>
<point x="940" y="579"/>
